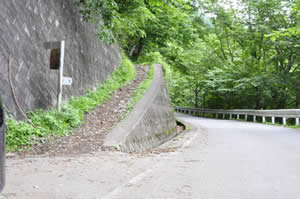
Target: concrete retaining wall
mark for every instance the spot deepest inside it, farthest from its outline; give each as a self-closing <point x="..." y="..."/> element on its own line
<point x="24" y="26"/>
<point x="151" y="122"/>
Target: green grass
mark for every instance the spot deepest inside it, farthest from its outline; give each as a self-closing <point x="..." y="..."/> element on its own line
<point x="20" y="134"/>
<point x="287" y="125"/>
<point x="294" y="126"/>
<point x="140" y="91"/>
<point x="189" y="127"/>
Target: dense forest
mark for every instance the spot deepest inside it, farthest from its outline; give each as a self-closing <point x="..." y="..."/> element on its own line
<point x="215" y="53"/>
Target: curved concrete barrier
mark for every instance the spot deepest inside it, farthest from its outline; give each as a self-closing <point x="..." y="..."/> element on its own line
<point x="150" y="123"/>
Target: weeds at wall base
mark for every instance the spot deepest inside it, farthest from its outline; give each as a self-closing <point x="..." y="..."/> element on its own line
<point x="20" y="134"/>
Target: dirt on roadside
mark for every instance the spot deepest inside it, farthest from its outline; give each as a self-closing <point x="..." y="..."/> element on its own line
<point x="89" y="137"/>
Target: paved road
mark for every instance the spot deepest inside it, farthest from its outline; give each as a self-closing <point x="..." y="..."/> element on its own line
<point x="218" y="159"/>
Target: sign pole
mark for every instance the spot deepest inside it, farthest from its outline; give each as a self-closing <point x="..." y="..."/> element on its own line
<point x="57" y="56"/>
<point x="60" y="74"/>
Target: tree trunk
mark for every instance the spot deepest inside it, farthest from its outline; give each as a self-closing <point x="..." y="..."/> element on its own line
<point x="257" y="99"/>
<point x="132" y="51"/>
<point x="282" y="99"/>
<point x="137" y="49"/>
<point x="196" y="98"/>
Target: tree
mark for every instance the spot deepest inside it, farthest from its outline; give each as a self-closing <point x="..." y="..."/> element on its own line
<point x="217" y="56"/>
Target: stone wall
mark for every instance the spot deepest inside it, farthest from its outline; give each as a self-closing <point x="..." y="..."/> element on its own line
<point x="24" y="26"/>
<point x="150" y="123"/>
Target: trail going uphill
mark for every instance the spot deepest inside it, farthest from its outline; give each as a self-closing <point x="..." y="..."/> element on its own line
<point x="89" y="137"/>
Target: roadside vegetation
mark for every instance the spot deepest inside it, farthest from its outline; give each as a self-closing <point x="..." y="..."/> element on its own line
<point x="220" y="53"/>
<point x="45" y="123"/>
<point x="215" y="54"/>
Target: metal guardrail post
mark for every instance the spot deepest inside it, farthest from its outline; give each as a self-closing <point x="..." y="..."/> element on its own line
<point x="284" y="120"/>
<point x="280" y="113"/>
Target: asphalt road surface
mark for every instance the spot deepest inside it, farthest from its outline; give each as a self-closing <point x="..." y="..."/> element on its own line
<point x="218" y="159"/>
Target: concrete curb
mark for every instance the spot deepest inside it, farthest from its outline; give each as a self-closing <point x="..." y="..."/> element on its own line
<point x="150" y="123"/>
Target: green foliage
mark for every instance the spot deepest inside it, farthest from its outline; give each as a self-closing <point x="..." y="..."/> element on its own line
<point x="214" y="55"/>
<point x="136" y="23"/>
<point x="53" y="123"/>
<point x="244" y="57"/>
<point x="102" y="12"/>
<point x="19" y="134"/>
<point x="151" y="57"/>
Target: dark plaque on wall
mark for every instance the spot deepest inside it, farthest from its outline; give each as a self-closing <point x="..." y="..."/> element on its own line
<point x="55" y="59"/>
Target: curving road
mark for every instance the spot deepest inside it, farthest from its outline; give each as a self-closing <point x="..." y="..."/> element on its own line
<point x="229" y="160"/>
<point x="218" y="159"/>
<point x="233" y="159"/>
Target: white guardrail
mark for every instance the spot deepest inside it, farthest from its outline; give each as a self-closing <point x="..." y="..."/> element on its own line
<point x="279" y="113"/>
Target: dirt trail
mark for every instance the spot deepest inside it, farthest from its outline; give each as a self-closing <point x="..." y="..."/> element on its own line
<point x="89" y="137"/>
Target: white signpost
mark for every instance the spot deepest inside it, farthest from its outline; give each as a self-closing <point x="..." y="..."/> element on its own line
<point x="62" y="81"/>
